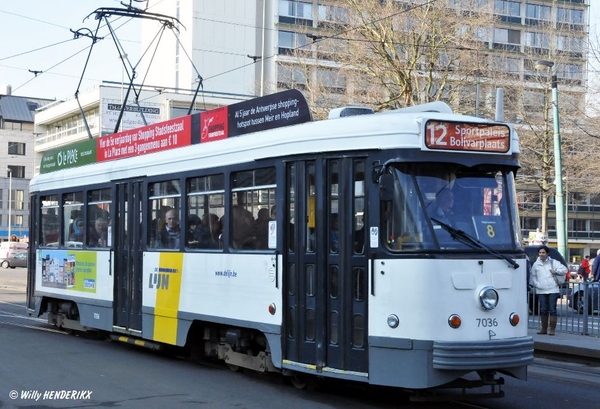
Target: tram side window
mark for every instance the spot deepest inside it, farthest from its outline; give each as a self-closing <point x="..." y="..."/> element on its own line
<point x="164" y="225"/>
<point x="99" y="221"/>
<point x="49" y="217"/>
<point x="73" y="221"/>
<point x="401" y="218"/>
<point x="359" y="207"/>
<point x="253" y="199"/>
<point x="311" y="208"/>
<point x="291" y="199"/>
<point x="206" y="199"/>
<point x="334" y="222"/>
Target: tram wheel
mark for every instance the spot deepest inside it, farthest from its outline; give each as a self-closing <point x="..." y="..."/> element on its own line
<point x="233" y="368"/>
<point x="299" y="380"/>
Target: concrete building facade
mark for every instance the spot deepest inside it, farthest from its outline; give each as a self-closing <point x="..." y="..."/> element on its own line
<point x="19" y="161"/>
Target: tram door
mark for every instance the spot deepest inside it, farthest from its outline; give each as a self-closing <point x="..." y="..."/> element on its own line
<point x="325" y="273"/>
<point x="127" y="245"/>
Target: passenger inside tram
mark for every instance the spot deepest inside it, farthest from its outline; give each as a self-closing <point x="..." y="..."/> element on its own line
<point x="213" y="223"/>
<point x="78" y="230"/>
<point x="243" y="229"/>
<point x="99" y="234"/>
<point x="198" y="234"/>
<point x="169" y="235"/>
<point x="261" y="228"/>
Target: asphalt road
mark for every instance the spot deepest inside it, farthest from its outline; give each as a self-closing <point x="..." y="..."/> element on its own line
<point x="45" y="368"/>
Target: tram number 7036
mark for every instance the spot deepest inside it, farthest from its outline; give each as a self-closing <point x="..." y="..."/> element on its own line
<point x="487" y="322"/>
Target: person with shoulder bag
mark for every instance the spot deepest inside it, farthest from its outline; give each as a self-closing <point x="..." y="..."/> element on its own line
<point x="546" y="277"/>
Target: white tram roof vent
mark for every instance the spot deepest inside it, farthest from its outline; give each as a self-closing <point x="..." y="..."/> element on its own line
<point x="349" y="111"/>
<point x="437" y="106"/>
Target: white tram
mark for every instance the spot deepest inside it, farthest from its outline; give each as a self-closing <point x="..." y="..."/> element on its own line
<point x="320" y="248"/>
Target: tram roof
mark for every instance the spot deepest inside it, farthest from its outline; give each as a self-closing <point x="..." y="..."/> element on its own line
<point x="381" y="131"/>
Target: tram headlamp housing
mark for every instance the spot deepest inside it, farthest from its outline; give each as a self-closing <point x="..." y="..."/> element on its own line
<point x="488" y="298"/>
<point x="393" y="321"/>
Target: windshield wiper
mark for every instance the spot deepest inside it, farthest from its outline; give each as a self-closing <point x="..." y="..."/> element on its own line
<point x="472" y="242"/>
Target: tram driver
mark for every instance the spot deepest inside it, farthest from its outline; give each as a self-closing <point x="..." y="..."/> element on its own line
<point x="441" y="208"/>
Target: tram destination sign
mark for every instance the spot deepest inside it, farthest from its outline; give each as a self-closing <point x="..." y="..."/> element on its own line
<point x="461" y="136"/>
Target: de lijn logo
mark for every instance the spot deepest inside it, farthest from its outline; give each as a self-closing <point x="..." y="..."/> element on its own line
<point x="159" y="279"/>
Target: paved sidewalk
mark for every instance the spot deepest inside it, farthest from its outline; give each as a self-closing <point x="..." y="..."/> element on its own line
<point x="564" y="343"/>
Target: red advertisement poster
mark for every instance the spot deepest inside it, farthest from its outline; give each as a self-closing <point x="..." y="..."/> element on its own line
<point x="161" y="136"/>
<point x="213" y="125"/>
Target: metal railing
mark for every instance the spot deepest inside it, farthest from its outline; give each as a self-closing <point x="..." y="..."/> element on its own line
<point x="577" y="309"/>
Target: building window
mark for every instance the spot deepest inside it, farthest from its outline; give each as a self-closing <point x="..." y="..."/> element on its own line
<point x="331" y="15"/>
<point x="536" y="13"/>
<point x="569" y="16"/>
<point x="570" y="44"/>
<point x="16" y="148"/>
<point x="507" y="39"/>
<point x="290" y="76"/>
<point x="17" y="199"/>
<point x="508" y="65"/>
<point x="533" y="98"/>
<point x="594" y="225"/>
<point x="16" y="220"/>
<point x="290" y="41"/>
<point x="468" y="4"/>
<point x="331" y="80"/>
<point x="537" y="40"/>
<point x="295" y="12"/>
<point x="16" y="171"/>
<point x="531" y="223"/>
<point x="509" y="11"/>
<point x="570" y="71"/>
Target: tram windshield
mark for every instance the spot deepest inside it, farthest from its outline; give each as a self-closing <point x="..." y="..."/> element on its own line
<point x="437" y="206"/>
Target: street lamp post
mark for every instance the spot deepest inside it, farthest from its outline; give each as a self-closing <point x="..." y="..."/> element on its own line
<point x="9" y="170"/>
<point x="561" y="233"/>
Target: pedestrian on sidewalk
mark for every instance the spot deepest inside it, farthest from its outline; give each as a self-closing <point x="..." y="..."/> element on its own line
<point x="543" y="279"/>
<point x="584" y="268"/>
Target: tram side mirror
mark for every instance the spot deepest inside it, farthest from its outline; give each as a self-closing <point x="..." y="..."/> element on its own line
<point x="386" y="187"/>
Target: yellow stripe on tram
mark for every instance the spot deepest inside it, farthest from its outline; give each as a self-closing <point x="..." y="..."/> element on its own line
<point x="167" y="297"/>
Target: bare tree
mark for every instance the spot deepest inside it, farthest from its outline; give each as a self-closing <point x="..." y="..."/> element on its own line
<point x="415" y="52"/>
<point x="390" y="54"/>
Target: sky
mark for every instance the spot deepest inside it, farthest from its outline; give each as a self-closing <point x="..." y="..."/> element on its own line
<point x="36" y="36"/>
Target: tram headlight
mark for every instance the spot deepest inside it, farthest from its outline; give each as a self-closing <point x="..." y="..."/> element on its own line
<point x="393" y="321"/>
<point x="488" y="298"/>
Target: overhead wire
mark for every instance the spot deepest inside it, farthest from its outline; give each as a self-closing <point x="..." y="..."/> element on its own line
<point x="47" y="70"/>
<point x="335" y="36"/>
